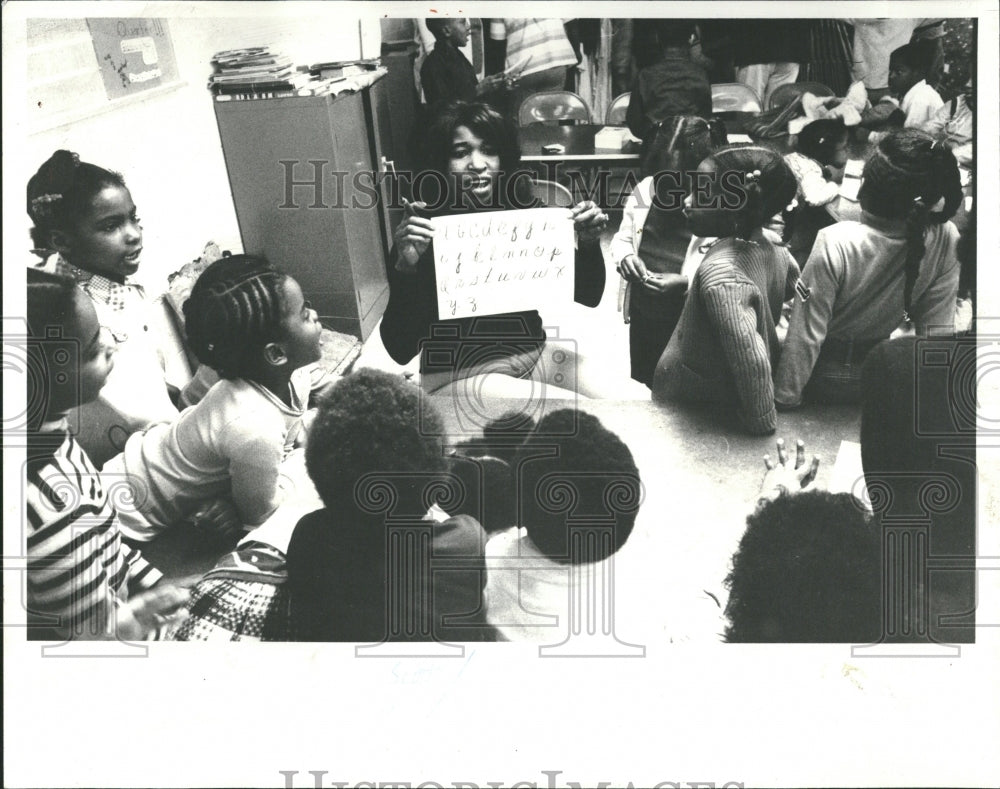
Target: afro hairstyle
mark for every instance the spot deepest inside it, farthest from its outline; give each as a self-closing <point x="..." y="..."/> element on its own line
<point x="372" y="422"/>
<point x="808" y="570"/>
<point x="579" y="488"/>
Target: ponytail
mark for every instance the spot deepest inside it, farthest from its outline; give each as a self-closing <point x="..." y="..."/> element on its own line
<point x="906" y="177"/>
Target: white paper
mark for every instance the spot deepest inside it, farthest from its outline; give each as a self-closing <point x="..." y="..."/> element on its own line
<point x="503" y="261"/>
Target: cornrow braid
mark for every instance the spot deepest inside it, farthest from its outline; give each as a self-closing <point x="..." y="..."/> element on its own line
<point x="906" y="177"/>
<point x="235" y="309"/>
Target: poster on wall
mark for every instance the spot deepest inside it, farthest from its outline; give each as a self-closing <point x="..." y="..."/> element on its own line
<point x="133" y="55"/>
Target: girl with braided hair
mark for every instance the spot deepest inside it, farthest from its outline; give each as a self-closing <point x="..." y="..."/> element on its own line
<point x="250" y="323"/>
<point x="864" y="280"/>
<point x="725" y="340"/>
<point x="86" y="226"/>
<point x="651" y="245"/>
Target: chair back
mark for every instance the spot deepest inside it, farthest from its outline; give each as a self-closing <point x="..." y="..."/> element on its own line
<point x="617" y="110"/>
<point x="551" y="195"/>
<point x="783" y="95"/>
<point x="735" y="97"/>
<point x="551" y="106"/>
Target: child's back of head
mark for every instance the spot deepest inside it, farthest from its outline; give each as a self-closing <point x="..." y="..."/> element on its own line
<point x="675" y="34"/>
<point x="578" y="488"/>
<point x="768" y="187"/>
<point x="808" y="570"/>
<point x="371" y="423"/>
<point x="822" y="139"/>
<point x="679" y="144"/>
<point x="912" y="177"/>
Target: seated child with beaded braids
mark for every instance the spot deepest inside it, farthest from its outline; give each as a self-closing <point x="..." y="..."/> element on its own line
<point x="250" y="323"/>
<point x="725" y="343"/>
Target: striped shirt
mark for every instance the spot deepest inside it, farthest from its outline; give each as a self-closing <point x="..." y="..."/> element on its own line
<point x="78" y="568"/>
<point x="533" y="44"/>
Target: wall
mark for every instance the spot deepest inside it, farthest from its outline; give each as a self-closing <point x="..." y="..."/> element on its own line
<point x="167" y="146"/>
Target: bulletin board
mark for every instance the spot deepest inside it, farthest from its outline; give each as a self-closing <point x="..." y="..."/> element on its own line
<point x="133" y="54"/>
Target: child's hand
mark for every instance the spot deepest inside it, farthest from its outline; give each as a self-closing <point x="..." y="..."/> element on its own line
<point x="218" y="517"/>
<point x="413" y="235"/>
<point x="781" y="479"/>
<point x="141" y="615"/>
<point x="632" y="269"/>
<point x="665" y="283"/>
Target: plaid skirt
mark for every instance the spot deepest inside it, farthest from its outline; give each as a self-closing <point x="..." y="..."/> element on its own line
<point x="226" y="609"/>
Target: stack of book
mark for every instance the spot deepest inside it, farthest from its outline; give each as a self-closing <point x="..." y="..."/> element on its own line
<point x="254" y="72"/>
<point x="342" y="69"/>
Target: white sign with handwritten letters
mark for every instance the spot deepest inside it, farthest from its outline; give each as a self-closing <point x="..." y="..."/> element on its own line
<point x="503" y="261"/>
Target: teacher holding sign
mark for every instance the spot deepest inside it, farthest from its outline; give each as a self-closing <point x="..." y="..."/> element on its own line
<point x="469" y="156"/>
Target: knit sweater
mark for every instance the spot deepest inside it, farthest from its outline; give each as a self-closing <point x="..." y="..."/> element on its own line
<point x="725" y="341"/>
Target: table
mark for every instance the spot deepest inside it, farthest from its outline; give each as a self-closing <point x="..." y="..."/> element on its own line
<point x="577" y="140"/>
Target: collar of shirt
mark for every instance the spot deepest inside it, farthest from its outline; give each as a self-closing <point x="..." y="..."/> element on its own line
<point x="116" y="295"/>
<point x="893" y="228"/>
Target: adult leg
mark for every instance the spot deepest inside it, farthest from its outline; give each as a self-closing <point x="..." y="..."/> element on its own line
<point x="780" y="74"/>
<point x="754" y="76"/>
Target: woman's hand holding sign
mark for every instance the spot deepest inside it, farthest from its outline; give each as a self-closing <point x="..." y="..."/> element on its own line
<point x="413" y="235"/>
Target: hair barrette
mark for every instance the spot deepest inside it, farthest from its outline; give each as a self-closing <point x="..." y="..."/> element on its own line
<point x="42" y="205"/>
<point x="752" y="177"/>
<point x="792" y="205"/>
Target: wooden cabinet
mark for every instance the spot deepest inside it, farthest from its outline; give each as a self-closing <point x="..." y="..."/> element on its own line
<point x="305" y="174"/>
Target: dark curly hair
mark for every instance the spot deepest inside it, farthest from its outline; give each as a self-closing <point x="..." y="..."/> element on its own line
<point x="366" y="423"/>
<point x="767" y="194"/>
<point x="808" y="570"/>
<point x="907" y="174"/>
<point x="572" y="468"/>
<point x="235" y="308"/>
<point x="61" y="192"/>
<point x="819" y="139"/>
<point x="434" y="146"/>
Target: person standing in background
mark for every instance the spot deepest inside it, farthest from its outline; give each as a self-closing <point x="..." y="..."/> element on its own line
<point x="538" y="54"/>
<point x="876" y="39"/>
<point x="767" y="53"/>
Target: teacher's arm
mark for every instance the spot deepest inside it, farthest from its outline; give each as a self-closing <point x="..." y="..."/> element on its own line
<point x="412" y="304"/>
<point x="589" y="221"/>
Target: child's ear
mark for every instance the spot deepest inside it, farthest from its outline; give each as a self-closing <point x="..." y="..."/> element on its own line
<point x="61" y="242"/>
<point x="274" y="354"/>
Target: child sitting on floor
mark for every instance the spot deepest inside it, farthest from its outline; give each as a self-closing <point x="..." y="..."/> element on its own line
<point x="725" y="340"/>
<point x="954" y="125"/>
<point x="83" y="583"/>
<point x="533" y="567"/>
<point x="250" y="323"/>
<point x="85" y="225"/>
<point x="818" y="161"/>
<point x="356" y="571"/>
<point x="908" y="69"/>
<point x="897" y="267"/>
